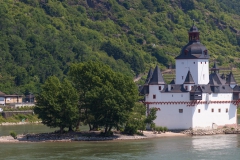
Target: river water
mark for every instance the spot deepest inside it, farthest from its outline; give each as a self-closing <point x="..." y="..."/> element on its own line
<point x="216" y="147"/>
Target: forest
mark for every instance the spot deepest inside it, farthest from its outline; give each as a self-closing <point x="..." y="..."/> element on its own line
<point x="42" y="38"/>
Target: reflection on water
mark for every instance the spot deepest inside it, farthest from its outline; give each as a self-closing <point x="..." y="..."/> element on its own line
<point x="217" y="147"/>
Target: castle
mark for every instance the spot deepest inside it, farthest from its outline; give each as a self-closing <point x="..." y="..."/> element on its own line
<point x="196" y="99"/>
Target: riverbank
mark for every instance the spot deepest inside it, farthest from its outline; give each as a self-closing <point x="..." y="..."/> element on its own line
<point x="18" y="123"/>
<point x="82" y="136"/>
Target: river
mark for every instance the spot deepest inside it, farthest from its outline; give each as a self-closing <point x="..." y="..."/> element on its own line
<point x="220" y="147"/>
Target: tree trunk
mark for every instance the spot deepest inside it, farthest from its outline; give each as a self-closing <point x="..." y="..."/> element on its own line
<point x="70" y="129"/>
<point x="106" y="129"/>
<point x="77" y="125"/>
<point x="61" y="129"/>
<point x="90" y="127"/>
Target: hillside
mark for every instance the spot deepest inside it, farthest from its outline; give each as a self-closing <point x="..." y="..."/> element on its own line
<point x="39" y="38"/>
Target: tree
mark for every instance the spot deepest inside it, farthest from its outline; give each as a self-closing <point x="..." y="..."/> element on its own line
<point x="136" y="120"/>
<point x="57" y="104"/>
<point x="105" y="97"/>
<point x="151" y="117"/>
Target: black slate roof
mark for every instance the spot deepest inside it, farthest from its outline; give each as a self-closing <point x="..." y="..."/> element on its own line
<point x="175" y="88"/>
<point x="231" y="79"/>
<point x="193" y="29"/>
<point x="157" y="77"/>
<point x="193" y="50"/>
<point x="173" y="82"/>
<point x="189" y="79"/>
<point x="215" y="79"/>
<point x="149" y="76"/>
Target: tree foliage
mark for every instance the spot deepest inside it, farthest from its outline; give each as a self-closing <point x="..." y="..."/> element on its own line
<point x="57" y="104"/>
<point x="105" y="97"/>
<point x="41" y="38"/>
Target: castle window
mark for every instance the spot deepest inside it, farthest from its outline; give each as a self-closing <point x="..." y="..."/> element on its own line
<point x="199" y="110"/>
<point x="181" y="95"/>
<point x="212" y="110"/>
<point x="172" y="95"/>
<point x="160" y="87"/>
<point x="219" y="110"/>
<point x="191" y="87"/>
<point x="180" y="110"/>
<point x="203" y="76"/>
<point x="201" y="62"/>
<point x="226" y="110"/>
<point x="193" y="62"/>
<point x="182" y="77"/>
<point x="154" y="96"/>
<point x="186" y="87"/>
<point x="205" y="62"/>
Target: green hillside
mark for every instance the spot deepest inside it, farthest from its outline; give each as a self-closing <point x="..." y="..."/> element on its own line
<point x="39" y="38"/>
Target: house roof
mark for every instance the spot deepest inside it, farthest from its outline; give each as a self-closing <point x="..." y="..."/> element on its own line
<point x="189" y="79"/>
<point x="2" y="94"/>
<point x="157" y="77"/>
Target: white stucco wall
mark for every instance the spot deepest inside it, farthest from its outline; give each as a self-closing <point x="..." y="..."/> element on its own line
<point x="199" y="69"/>
<point x="170" y="117"/>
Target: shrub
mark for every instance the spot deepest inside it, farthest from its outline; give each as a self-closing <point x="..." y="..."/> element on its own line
<point x="13" y="134"/>
<point x="165" y="129"/>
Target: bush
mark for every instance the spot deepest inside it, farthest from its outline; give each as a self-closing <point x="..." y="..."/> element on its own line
<point x="13" y="134"/>
<point x="165" y="129"/>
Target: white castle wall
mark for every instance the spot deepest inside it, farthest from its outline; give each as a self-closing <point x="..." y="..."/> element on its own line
<point x="170" y="117"/>
<point x="222" y="113"/>
<point x="199" y="69"/>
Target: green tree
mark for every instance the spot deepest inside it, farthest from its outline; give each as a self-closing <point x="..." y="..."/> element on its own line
<point x="106" y="97"/>
<point x="57" y="104"/>
<point x="136" y="120"/>
<point x="152" y="115"/>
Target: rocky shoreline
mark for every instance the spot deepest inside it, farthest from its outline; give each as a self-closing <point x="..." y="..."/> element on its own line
<point x="82" y="136"/>
<point x="200" y="132"/>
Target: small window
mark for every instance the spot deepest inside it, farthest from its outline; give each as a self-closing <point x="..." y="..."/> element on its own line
<point x="160" y="87"/>
<point x="180" y="110"/>
<point x="154" y="96"/>
<point x="201" y="62"/>
<point x="182" y="77"/>
<point x="212" y="110"/>
<point x="219" y="110"/>
<point x="172" y="95"/>
<point x="203" y="76"/>
<point x="191" y="87"/>
<point x="205" y="62"/>
<point x="181" y="95"/>
<point x="186" y="87"/>
<point x="226" y="110"/>
<point x="199" y="110"/>
<point x="193" y="62"/>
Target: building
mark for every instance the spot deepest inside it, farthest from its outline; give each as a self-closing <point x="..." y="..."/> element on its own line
<point x="199" y="97"/>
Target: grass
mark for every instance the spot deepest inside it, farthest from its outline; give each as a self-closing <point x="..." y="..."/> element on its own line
<point x="19" y="117"/>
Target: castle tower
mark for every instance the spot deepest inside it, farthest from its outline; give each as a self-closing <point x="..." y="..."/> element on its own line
<point x="194" y="57"/>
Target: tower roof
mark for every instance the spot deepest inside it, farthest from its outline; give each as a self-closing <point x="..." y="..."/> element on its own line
<point x="149" y="76"/>
<point x="193" y="29"/>
<point x="157" y="77"/>
<point x="215" y="67"/>
<point x="189" y="79"/>
<point x="173" y="82"/>
<point x="194" y="49"/>
<point x="231" y="79"/>
<point x="215" y="79"/>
